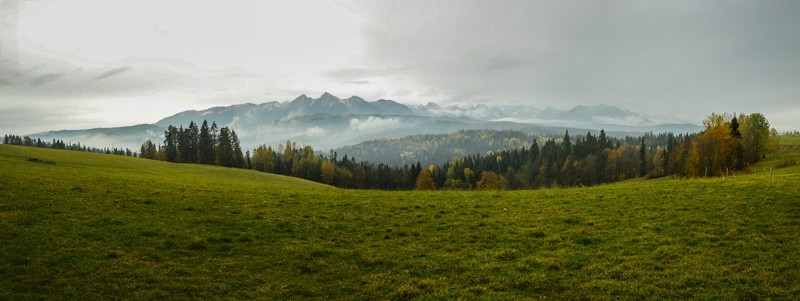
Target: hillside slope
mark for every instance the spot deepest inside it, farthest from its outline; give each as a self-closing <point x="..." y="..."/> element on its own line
<point x="94" y="226"/>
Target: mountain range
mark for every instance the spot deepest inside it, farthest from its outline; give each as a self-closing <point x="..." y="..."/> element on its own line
<point x="329" y="122"/>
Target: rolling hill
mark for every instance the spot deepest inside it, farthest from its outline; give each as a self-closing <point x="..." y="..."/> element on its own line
<point x="91" y="226"/>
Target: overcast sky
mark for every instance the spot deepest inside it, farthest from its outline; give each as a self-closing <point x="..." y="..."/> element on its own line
<point x="81" y="64"/>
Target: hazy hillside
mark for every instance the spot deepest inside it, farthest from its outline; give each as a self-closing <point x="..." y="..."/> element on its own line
<point x="436" y="148"/>
<point x="330" y="122"/>
<point x="121" y="137"/>
<point x="90" y="226"/>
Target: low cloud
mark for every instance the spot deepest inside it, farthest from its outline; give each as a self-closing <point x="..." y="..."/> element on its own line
<point x="373" y="124"/>
<point x="627" y="120"/>
<point x="315" y="132"/>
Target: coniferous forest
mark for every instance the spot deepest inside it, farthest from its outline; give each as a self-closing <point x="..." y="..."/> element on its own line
<point x="60" y="144"/>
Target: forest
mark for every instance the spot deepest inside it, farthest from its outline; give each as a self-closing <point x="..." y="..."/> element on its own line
<point x="729" y="144"/>
<point x="60" y="144"/>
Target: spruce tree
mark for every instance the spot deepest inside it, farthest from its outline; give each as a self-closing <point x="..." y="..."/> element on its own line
<point x="735" y="133"/>
<point x="183" y="143"/>
<point x="192" y="143"/>
<point x="171" y="144"/>
<point x="224" y="148"/>
<point x="206" y="145"/>
<point x="642" y="159"/>
<point x="237" y="159"/>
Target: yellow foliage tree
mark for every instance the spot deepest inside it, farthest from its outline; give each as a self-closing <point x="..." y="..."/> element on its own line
<point x="425" y="181"/>
<point x="328" y="171"/>
<point x="491" y="181"/>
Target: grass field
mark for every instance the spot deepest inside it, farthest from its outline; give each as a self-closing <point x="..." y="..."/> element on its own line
<point x="793" y="139"/>
<point x="100" y="227"/>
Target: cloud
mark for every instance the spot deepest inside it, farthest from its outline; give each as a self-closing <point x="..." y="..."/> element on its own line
<point x="347" y="74"/>
<point x="627" y="120"/>
<point x="684" y="58"/>
<point x="44" y="79"/>
<point x="113" y="72"/>
<point x="373" y="124"/>
<point x="315" y="132"/>
<point x="677" y="58"/>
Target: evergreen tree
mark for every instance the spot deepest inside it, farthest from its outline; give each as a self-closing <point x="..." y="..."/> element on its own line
<point x="566" y="145"/>
<point x="602" y="141"/>
<point x="642" y="159"/>
<point x="183" y="144"/>
<point x="192" y="148"/>
<point x="237" y="158"/>
<point x="248" y="161"/>
<point x="224" y="149"/>
<point x="206" y="145"/>
<point x="171" y="144"/>
<point x="737" y="145"/>
<point x="735" y="133"/>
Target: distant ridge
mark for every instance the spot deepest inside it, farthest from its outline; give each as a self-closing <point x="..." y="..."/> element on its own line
<point x="329" y="121"/>
<point x="300" y="106"/>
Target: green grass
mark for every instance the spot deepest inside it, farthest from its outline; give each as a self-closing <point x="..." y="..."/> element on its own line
<point x="96" y="226"/>
<point x="793" y="139"/>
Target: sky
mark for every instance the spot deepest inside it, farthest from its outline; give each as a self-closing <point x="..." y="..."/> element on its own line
<point x="82" y="64"/>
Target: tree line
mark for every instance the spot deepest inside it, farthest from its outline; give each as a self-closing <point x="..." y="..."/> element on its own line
<point x="730" y="143"/>
<point x="206" y="144"/>
<point x="60" y="144"/>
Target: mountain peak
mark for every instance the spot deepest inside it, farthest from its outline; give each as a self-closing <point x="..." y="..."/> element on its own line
<point x="355" y="99"/>
<point x="301" y="98"/>
<point x="327" y="95"/>
<point x="433" y="106"/>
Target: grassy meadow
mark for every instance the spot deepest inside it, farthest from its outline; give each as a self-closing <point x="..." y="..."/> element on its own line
<point x="790" y="140"/>
<point x="97" y="227"/>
